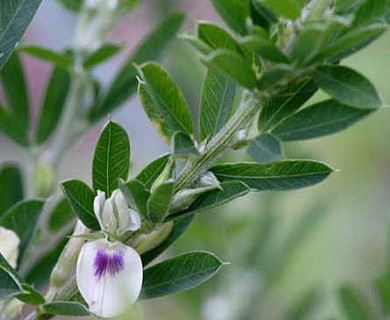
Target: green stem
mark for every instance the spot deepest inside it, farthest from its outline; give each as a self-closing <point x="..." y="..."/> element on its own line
<point x="222" y="141"/>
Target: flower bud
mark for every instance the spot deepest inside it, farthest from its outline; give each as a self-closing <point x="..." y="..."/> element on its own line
<point x="9" y="243"/>
<point x="147" y="242"/>
<point x="44" y="180"/>
<point x="184" y="198"/>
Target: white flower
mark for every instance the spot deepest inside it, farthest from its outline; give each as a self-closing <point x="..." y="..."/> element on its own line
<point x="114" y="215"/>
<point x="9" y="243"/>
<point x="109" y="277"/>
<point x="109" y="274"/>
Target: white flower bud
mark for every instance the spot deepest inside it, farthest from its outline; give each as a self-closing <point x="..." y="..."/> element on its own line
<point x="209" y="179"/>
<point x="9" y="243"/>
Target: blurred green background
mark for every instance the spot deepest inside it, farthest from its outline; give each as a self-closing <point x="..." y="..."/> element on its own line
<point x="283" y="248"/>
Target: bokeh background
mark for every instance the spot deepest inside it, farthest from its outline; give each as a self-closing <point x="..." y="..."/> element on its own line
<point x="283" y="248"/>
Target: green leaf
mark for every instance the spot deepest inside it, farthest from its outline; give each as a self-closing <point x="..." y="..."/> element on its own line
<point x="111" y="160"/>
<point x="180" y="225"/>
<point x="15" y="17"/>
<point x="232" y="65"/>
<point x="352" y="304"/>
<point x="57" y="89"/>
<point x="183" y="145"/>
<point x="197" y="43"/>
<point x="227" y="192"/>
<point x="15" y="89"/>
<point x="60" y="59"/>
<point x="290" y="9"/>
<point x="125" y="84"/>
<point x="345" y="6"/>
<point x="30" y="295"/>
<point x="178" y="274"/>
<point x="372" y="11"/>
<point x="284" y="104"/>
<point x="217" y="38"/>
<point x="234" y="12"/>
<point x="265" y="48"/>
<point x="10" y="126"/>
<point x="60" y="216"/>
<point x="319" y="120"/>
<point x="9" y="286"/>
<point x="282" y="175"/>
<point x="382" y="284"/>
<point x="6" y="266"/>
<point x="266" y="148"/>
<point x="81" y="198"/>
<point x="216" y="105"/>
<point x="311" y="39"/>
<point x="262" y="17"/>
<point x="9" y="280"/>
<point x="159" y="201"/>
<point x="136" y="195"/>
<point x="22" y="218"/>
<point x="105" y="52"/>
<point x="347" y="86"/>
<point x="152" y="171"/>
<point x="11" y="187"/>
<point x="351" y="42"/>
<point x="66" y="308"/>
<point x="163" y="101"/>
<point x="274" y="76"/>
<point x="74" y="5"/>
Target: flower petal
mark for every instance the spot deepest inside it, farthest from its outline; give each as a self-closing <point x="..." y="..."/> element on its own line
<point x="109" y="277"/>
<point x="134" y="222"/>
<point x="120" y="202"/>
<point x="9" y="243"/>
<point x="129" y="220"/>
<point x="98" y="205"/>
<point x="108" y="221"/>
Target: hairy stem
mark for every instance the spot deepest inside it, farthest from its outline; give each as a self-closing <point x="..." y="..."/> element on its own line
<point x="223" y="140"/>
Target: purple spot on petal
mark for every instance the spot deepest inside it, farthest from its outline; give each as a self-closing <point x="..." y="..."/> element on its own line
<point x="108" y="263"/>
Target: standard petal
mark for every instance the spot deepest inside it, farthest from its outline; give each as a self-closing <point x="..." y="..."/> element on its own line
<point x="98" y="205"/>
<point x="9" y="243"/>
<point x="98" y="202"/>
<point x="129" y="220"/>
<point x="108" y="220"/>
<point x="109" y="277"/>
<point x="120" y="202"/>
